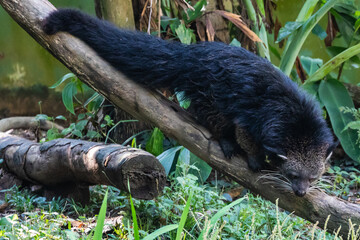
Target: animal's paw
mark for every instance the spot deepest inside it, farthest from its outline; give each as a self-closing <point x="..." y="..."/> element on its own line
<point x="227" y="147"/>
<point x="256" y="163"/>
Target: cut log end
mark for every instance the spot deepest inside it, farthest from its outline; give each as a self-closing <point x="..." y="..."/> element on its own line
<point x="141" y="172"/>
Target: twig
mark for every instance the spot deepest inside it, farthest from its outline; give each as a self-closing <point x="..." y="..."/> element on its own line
<point x="149" y="24"/>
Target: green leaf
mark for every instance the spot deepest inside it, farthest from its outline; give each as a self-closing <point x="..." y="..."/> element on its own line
<point x="319" y="31"/>
<point x="135" y="223"/>
<point x="334" y="95"/>
<point x="295" y="44"/>
<point x="63" y="79"/>
<point x="306" y="10"/>
<point x="167" y="158"/>
<point x="353" y="125"/>
<point x="357" y="25"/>
<point x="311" y="65"/>
<point x="335" y="50"/>
<point x="81" y="125"/>
<point x="199" y="6"/>
<point x="288" y="29"/>
<point x="345" y="19"/>
<point x="101" y="219"/>
<point x="334" y="63"/>
<point x="39" y="117"/>
<point x="184" y="217"/>
<point x="184" y="103"/>
<point x="68" y="93"/>
<point x="185" y="35"/>
<point x="218" y="215"/>
<point x="161" y="231"/>
<point x="77" y="133"/>
<point x="155" y="145"/>
<point x="92" y="134"/>
<point x="204" y="168"/>
<point x="235" y="43"/>
<point x="260" y="4"/>
<point x="61" y="117"/>
<point x="53" y="133"/>
<point x="166" y="21"/>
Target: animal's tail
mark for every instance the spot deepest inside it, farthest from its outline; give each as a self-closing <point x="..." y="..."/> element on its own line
<point x="144" y="58"/>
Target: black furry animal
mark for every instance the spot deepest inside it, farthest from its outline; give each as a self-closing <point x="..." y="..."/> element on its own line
<point x="246" y="102"/>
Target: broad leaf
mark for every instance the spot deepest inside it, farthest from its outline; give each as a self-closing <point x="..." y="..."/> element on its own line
<point x="68" y="93"/>
<point x="185" y="35"/>
<point x="155" y="144"/>
<point x="63" y="79"/>
<point x="334" y="95"/>
<point x="311" y="65"/>
<point x="167" y="158"/>
<point x="319" y="31"/>
<point x="288" y="29"/>
<point x="235" y="43"/>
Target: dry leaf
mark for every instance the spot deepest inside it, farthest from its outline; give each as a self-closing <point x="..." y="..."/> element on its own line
<point x="200" y="28"/>
<point x="277" y="28"/>
<point x="184" y="5"/>
<point x="331" y="30"/>
<point x="300" y="70"/>
<point x="210" y="32"/>
<point x="236" y="19"/>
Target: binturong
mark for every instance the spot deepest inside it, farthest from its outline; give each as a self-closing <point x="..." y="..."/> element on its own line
<point x="248" y="105"/>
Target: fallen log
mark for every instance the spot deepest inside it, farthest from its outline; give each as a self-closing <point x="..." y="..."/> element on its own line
<point x="68" y="162"/>
<point x="147" y="105"/>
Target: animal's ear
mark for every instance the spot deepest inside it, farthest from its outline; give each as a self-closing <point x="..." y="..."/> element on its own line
<point x="330" y="149"/>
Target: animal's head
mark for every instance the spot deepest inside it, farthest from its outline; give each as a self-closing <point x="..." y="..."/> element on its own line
<point x="304" y="166"/>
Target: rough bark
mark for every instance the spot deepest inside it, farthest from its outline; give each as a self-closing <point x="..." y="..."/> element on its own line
<point x="173" y="121"/>
<point x="62" y="161"/>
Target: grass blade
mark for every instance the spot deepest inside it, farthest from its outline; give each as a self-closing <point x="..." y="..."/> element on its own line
<point x="101" y="219"/>
<point x="184" y="217"/>
<point x="161" y="231"/>
<point x="135" y="223"/>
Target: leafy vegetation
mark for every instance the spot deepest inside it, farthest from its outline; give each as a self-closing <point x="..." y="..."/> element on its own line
<point x="192" y="206"/>
<point x="202" y="209"/>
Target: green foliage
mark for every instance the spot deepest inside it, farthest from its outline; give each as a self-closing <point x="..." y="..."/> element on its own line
<point x="344" y="182"/>
<point x="299" y="36"/>
<point x="155" y="143"/>
<point x="334" y="95"/>
<point x="334" y="63"/>
<point x="180" y="155"/>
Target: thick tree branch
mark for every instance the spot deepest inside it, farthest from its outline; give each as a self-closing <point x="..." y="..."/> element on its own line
<point x="152" y="107"/>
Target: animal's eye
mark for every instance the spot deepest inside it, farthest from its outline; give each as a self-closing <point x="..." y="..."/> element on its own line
<point x="293" y="176"/>
<point x="313" y="179"/>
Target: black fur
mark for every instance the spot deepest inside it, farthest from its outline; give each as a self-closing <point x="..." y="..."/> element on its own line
<point x="228" y="86"/>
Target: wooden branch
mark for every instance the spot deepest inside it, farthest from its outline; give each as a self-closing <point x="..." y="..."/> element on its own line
<point x="26" y="122"/>
<point x="67" y="160"/>
<point x="174" y="122"/>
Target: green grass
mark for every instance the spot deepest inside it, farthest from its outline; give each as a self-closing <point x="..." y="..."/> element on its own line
<point x="201" y="209"/>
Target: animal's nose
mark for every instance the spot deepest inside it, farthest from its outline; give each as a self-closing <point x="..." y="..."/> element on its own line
<point x="300" y="193"/>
